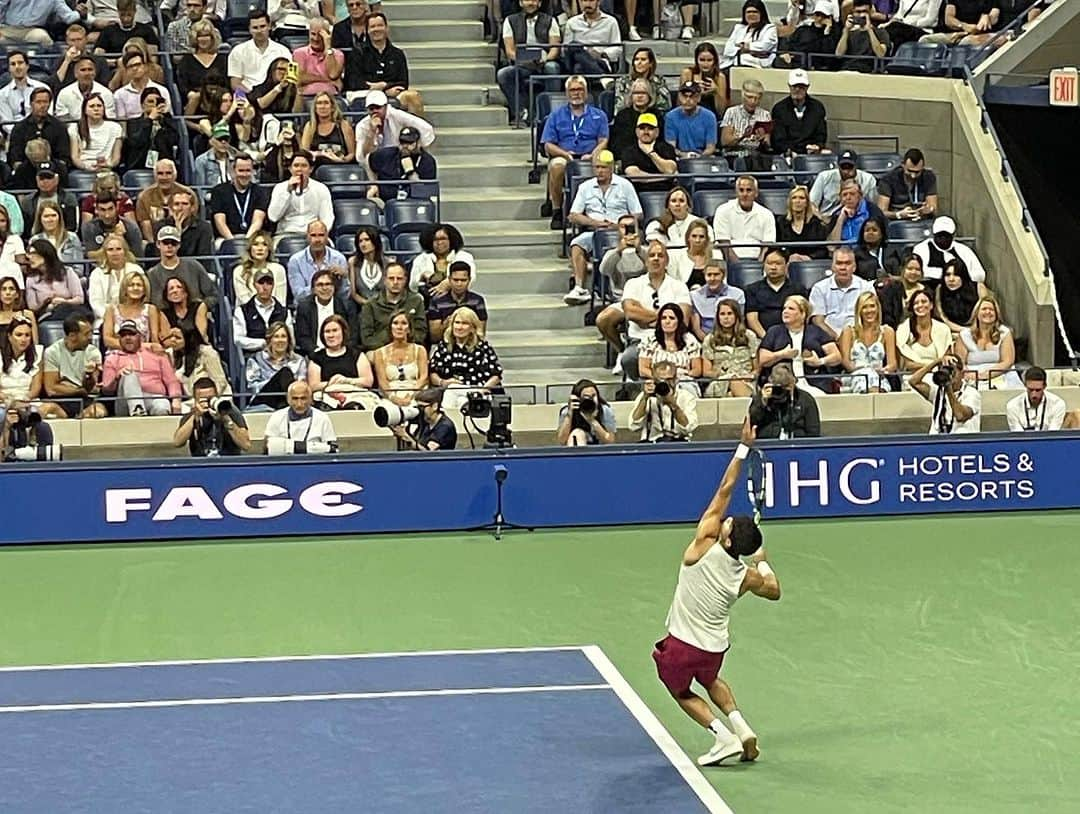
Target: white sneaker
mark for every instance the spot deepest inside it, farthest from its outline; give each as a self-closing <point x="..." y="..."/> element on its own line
<point x="138" y="409"/>
<point x="633" y="34"/>
<point x="616" y="369"/>
<point x="726" y="747"/>
<point x="578" y="296"/>
<point x="687" y="32"/>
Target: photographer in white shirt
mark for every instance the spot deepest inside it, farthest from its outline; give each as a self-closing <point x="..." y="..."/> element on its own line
<point x="298" y="428"/>
<point x="957" y="404"/>
<point x="1036" y="409"/>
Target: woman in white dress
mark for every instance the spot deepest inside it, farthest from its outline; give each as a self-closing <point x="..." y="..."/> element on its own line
<point x="922" y="337"/>
<point x="868" y="348"/>
<point x="673" y="342"/>
<point x="987" y="349"/>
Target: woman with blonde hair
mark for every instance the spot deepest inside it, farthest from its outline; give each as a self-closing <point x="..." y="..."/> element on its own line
<point x="205" y="64"/>
<point x="868" y="348"/>
<point x="114" y="261"/>
<point x="270" y="371"/>
<point x="326" y="135"/>
<point x="797" y="340"/>
<point x="256" y="257"/>
<point x="801" y="223"/>
<point x="729" y="353"/>
<point x="401" y="365"/>
<point x="49" y="225"/>
<point x="133" y="303"/>
<point x="463" y="360"/>
<point x="986" y="347"/>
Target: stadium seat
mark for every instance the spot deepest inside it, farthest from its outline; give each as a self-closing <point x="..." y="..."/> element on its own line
<point x="350" y="214"/>
<point x="744" y="272"/>
<point x="607" y="103"/>
<point x="652" y="204"/>
<point x="230" y="248"/>
<point x="706" y="201"/>
<point x="80" y="180"/>
<point x="407" y="242"/>
<point x="237" y="11"/>
<point x="808" y="272"/>
<point x="959" y="57"/>
<point x="547" y="102"/>
<point x="344" y="180"/>
<point x="288" y="246"/>
<point x="807" y="167"/>
<point x="604" y="239"/>
<point x="775" y="200"/>
<point x="408" y="216"/>
<point x="49" y="332"/>
<point x="346" y="244"/>
<point x="137" y="179"/>
<point x="918" y="59"/>
<point x="908" y="232"/>
<point x="878" y="163"/>
<point x="709" y="173"/>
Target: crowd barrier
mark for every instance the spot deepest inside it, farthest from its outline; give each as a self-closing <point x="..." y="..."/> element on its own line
<point x="408" y="492"/>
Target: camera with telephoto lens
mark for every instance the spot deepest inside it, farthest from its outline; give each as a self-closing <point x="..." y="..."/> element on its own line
<point x="943" y="376"/>
<point x="586" y="404"/>
<point x="287" y="446"/>
<point x="388" y="414"/>
<point x="778" y="397"/>
<point x="221" y="405"/>
<point x="477" y="405"/>
<point x="663" y="389"/>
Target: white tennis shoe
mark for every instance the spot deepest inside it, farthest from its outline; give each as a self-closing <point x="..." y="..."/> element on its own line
<point x="726" y="747"/>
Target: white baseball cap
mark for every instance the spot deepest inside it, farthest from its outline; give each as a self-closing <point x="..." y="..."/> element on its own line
<point x="823" y="7"/>
<point x="375" y="98"/>
<point x="798" y="77"/>
<point x="944" y="224"/>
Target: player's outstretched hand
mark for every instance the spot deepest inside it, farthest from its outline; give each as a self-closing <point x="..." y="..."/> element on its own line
<point x="748" y="432"/>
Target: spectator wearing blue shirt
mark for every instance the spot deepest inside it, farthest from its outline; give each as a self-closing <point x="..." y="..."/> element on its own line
<point x="576" y="130"/>
<point x="704" y="299"/>
<point x="23" y="21"/>
<point x="855" y="210"/>
<point x="316" y="257"/>
<point x="599" y="203"/>
<point x="690" y="128"/>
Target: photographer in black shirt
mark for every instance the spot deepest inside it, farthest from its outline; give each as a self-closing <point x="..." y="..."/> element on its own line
<point x="781" y="410"/>
<point x="214" y="426"/>
<point x="432" y="429"/>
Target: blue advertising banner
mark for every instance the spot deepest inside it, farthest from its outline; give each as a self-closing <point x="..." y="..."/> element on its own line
<point x="353" y="494"/>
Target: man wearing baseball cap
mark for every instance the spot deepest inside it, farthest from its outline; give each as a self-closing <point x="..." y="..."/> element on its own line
<point x="941" y="247"/>
<point x="47" y="181"/>
<point x="383" y="125"/>
<point x="799" y="121"/>
<point x="825" y="192"/>
<point x="408" y="161"/>
<point x="690" y="128"/>
<point x="143" y="382"/>
<point x="650" y="158"/>
<point x="252" y="319"/>
<point x="213" y="166"/>
<point x="814" y="31"/>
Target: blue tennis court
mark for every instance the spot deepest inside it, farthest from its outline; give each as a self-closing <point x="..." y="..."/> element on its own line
<point x="494" y="731"/>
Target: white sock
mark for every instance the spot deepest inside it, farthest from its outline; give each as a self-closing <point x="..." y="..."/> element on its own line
<point x="717" y="728"/>
<point x="738" y="723"/>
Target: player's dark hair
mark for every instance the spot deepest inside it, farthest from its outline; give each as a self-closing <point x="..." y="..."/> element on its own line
<point x="745" y="536"/>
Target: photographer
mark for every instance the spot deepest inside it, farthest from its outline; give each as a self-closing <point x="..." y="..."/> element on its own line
<point x="664" y="411"/>
<point x="957" y="405"/>
<point x="433" y="429"/>
<point x="586" y="419"/>
<point x="782" y="410"/>
<point x="298" y="429"/>
<point x="25" y="437"/>
<point x="861" y="42"/>
<point x="214" y="426"/>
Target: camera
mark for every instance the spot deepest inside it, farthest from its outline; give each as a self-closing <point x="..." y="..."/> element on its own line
<point x="778" y="397"/>
<point x="943" y="376"/>
<point x="587" y="404"/>
<point x="388" y="414"/>
<point x="858" y="19"/>
<point x="477" y="405"/>
<point x="286" y="446"/>
<point x="221" y="404"/>
<point x="663" y="389"/>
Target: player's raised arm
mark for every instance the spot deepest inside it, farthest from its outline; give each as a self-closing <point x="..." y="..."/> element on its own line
<point x="708" y="529"/>
<point x="760" y="579"/>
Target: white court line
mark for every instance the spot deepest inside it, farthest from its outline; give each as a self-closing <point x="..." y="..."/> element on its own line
<point x="652" y="726"/>
<point x="282" y="699"/>
<point x="271" y="659"/>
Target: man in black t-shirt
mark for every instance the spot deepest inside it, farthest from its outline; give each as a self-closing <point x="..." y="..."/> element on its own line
<point x="210" y="431"/>
<point x="765" y="298"/>
<point x="860" y="40"/>
<point x="909" y="191"/>
<point x="114" y="36"/>
<point x="649" y="156"/>
<point x="238" y="207"/>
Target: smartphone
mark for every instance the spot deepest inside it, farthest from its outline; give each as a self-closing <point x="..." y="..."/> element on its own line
<point x="240" y="95"/>
<point x="859" y="19"/>
<point x="292" y="73"/>
<point x="631" y="229"/>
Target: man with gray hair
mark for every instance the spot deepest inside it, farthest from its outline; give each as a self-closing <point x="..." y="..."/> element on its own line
<point x="664" y="411"/>
<point x="825" y="191"/>
<point x="745" y="129"/>
<point x="321" y="66"/>
<point x="783" y="410"/>
<point x="833" y="299"/>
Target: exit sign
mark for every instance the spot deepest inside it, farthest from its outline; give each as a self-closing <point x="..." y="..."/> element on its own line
<point x="1063" y="87"/>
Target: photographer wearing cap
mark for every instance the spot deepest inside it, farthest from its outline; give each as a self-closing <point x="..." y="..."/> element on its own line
<point x="782" y="410"/>
<point x="664" y="411"/>
<point x="957" y="404"/>
<point x="586" y="419"/>
<point x="214" y="426"/>
<point x="431" y="429"/>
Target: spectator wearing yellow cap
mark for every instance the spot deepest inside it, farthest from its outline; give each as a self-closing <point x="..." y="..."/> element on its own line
<point x="599" y="203"/>
<point x="624" y="128"/>
<point x="651" y="161"/>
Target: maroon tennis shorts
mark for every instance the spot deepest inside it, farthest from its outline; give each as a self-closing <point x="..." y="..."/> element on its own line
<point x="678" y="663"/>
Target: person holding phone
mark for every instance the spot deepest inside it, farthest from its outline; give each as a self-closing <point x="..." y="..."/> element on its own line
<point x="861" y="42"/>
<point x="250" y="61"/>
<point x="409" y="161"/>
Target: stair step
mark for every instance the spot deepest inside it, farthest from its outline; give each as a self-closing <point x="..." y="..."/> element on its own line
<point x="429" y="72"/>
<point x="461" y="94"/>
<point x="466" y="115"/>
<point x="480" y="139"/>
<point x="528" y="312"/>
<point x="571" y="343"/>
<point x="516" y="276"/>
<point x="426" y="10"/>
<point x="510" y="203"/>
<point x="493" y="238"/>
<point x="443" y="49"/>
<point x="408" y="33"/>
<point x="467" y="171"/>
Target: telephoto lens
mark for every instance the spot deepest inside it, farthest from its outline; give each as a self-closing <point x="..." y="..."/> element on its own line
<point x="663" y="389"/>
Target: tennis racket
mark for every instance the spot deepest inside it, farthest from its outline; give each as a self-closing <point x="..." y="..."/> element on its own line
<point x="756" y="482"/>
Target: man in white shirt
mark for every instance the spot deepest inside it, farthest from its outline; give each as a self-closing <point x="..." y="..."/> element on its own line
<point x="1036" y="409"/>
<point x="833" y="299"/>
<point x="252" y="319"/>
<point x="744" y="221"/>
<point x="249" y="61"/>
<point x="15" y="95"/>
<point x="298" y="429"/>
<point x="129" y="97"/>
<point x="300" y="200"/>
<point x="642" y="299"/>
<point x="68" y="106"/>
<point x="664" y="411"/>
<point x="957" y="404"/>
<point x="383" y="125"/>
<point x="598" y="39"/>
<point x="941" y="247"/>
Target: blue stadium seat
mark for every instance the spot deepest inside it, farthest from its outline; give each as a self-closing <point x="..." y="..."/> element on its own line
<point x="878" y="163"/>
<point x="744" y="272"/>
<point x="918" y="59"/>
<point x="80" y="180"/>
<point x="775" y="200"/>
<point x="604" y="239"/>
<point x="50" y="332"/>
<point x="706" y="201"/>
<point x="547" y="102"/>
<point x="908" y="232"/>
<point x="231" y="248"/>
<point x="288" y="246"/>
<point x="137" y="179"/>
<point x="346" y="244"/>
<point x="807" y="167"/>
<point x="709" y="173"/>
<point x="407" y="242"/>
<point x="808" y="272"/>
<point x="408" y="216"/>
<point x="344" y="180"/>
<point x="959" y="57"/>
<point x="652" y="204"/>
<point x="350" y="214"/>
<point x="237" y="11"/>
<point x="607" y="103"/>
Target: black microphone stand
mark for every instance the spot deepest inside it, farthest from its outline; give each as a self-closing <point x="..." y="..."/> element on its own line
<point x="498" y="520"/>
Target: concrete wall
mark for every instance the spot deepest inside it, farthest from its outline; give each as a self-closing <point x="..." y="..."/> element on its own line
<point x="941" y="117"/>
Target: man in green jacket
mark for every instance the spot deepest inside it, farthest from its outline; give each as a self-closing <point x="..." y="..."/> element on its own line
<point x="376" y="314"/>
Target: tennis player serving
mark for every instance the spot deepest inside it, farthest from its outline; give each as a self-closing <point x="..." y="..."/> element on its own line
<point x="711" y="578"/>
